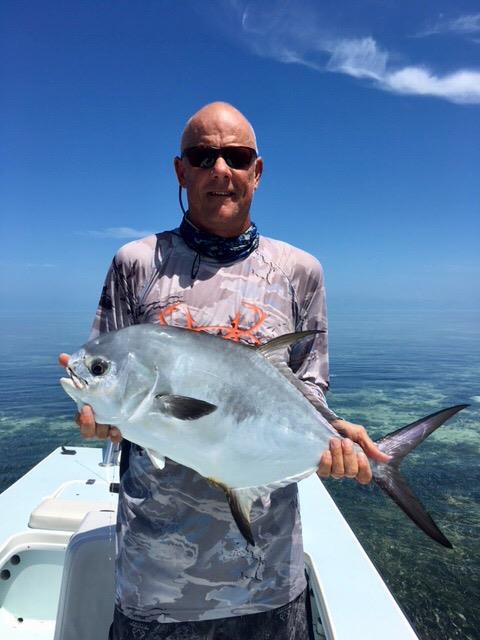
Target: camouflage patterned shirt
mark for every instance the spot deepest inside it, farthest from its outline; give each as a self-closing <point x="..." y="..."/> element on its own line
<point x="180" y="555"/>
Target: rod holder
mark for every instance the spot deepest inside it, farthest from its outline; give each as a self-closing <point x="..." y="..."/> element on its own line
<point x="110" y="455"/>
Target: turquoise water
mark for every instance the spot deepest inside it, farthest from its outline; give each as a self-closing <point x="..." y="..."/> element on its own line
<point x="389" y="367"/>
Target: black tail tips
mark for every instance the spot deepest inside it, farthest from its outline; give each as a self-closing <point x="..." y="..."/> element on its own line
<point x="388" y="476"/>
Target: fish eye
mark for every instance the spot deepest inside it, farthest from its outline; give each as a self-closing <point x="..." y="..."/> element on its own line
<point x="98" y="367"/>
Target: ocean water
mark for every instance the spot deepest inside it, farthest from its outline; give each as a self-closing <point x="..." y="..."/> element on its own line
<point x="388" y="368"/>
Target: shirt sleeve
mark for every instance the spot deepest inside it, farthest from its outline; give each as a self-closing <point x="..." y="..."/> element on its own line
<point x="309" y="358"/>
<point x="118" y="306"/>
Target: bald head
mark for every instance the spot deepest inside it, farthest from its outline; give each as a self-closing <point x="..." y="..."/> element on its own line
<point x="220" y="124"/>
<point x="220" y="194"/>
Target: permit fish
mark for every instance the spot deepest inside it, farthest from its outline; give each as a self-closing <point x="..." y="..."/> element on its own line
<point x="235" y="414"/>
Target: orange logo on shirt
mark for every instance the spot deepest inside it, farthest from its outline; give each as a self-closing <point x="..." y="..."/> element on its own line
<point x="230" y="332"/>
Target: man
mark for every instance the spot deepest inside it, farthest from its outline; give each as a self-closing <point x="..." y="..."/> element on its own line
<point x="183" y="568"/>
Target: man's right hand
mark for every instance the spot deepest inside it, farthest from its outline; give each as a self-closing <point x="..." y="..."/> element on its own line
<point x="86" y="418"/>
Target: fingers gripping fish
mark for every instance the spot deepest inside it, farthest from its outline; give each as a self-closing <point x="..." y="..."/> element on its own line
<point x="235" y="414"/>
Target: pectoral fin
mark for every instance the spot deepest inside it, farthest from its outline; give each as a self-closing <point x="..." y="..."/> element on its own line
<point x="182" y="407"/>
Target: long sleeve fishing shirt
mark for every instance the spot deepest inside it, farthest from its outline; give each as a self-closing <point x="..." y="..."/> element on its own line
<point x="180" y="554"/>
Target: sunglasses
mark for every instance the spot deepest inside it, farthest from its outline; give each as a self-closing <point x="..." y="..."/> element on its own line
<point x="206" y="157"/>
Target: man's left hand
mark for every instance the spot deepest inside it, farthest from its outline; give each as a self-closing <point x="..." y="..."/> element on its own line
<point x="341" y="460"/>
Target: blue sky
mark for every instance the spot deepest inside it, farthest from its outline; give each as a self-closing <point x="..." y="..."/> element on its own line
<point x="367" y="116"/>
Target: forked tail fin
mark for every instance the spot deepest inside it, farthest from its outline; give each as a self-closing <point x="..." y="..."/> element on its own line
<point x="388" y="476"/>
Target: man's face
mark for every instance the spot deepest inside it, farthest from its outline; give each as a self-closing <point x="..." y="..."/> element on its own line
<point x="219" y="198"/>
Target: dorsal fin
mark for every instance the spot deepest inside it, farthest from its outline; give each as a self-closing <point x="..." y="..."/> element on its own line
<point x="280" y="343"/>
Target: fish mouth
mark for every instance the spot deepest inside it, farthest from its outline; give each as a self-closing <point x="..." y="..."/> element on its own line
<point x="75" y="380"/>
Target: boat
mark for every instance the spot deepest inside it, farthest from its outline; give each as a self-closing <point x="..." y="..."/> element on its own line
<point x="57" y="553"/>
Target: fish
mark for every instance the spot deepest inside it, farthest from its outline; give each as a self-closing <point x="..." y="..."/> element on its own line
<point x="234" y="413"/>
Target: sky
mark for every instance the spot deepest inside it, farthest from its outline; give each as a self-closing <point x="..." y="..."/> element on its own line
<point x="367" y="117"/>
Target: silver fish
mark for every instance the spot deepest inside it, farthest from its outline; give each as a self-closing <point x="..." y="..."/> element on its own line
<point x="235" y="414"/>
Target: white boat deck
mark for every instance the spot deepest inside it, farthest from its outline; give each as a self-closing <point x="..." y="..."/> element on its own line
<point x="32" y="559"/>
<point x="352" y="599"/>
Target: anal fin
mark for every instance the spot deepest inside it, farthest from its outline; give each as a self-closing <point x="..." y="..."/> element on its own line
<point x="240" y="501"/>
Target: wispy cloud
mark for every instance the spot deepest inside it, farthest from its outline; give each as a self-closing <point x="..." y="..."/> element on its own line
<point x="281" y="32"/>
<point x="120" y="233"/>
<point x="360" y="58"/>
<point x="40" y="265"/>
<point x="364" y="59"/>
<point x="462" y="25"/>
<point x="27" y="265"/>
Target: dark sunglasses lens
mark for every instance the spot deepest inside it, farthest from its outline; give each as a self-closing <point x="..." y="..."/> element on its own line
<point x="201" y="157"/>
<point x="235" y="157"/>
<point x="238" y="157"/>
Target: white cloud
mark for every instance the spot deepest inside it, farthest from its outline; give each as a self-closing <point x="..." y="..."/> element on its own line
<point x="120" y="233"/>
<point x="283" y="33"/>
<point x="462" y="87"/>
<point x="467" y="24"/>
<point x="463" y="25"/>
<point x="360" y="58"/>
